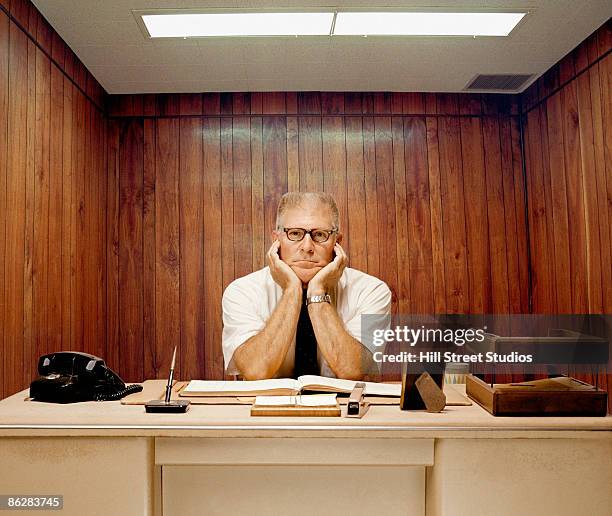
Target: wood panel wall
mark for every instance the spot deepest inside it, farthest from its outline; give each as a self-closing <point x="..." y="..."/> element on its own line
<point x="567" y="124"/>
<point x="429" y="186"/>
<point x="567" y="127"/>
<point x="52" y="198"/>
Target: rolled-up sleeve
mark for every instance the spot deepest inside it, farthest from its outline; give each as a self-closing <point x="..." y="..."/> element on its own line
<point x="241" y="320"/>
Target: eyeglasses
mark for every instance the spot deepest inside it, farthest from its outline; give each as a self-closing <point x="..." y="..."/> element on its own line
<point x="318" y="235"/>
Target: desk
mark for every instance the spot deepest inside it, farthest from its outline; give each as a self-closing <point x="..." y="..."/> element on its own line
<point x="108" y="458"/>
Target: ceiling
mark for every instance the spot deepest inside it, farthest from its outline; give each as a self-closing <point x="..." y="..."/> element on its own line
<point x="107" y="39"/>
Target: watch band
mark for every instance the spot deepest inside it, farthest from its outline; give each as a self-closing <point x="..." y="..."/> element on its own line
<point x="325" y="298"/>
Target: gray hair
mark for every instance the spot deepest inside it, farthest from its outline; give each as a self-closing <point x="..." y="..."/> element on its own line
<point x="300" y="199"/>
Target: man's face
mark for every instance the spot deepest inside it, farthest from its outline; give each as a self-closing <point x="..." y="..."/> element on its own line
<point x="307" y="257"/>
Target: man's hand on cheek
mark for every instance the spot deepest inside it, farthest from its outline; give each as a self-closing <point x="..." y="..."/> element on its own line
<point x="282" y="274"/>
<point x="327" y="278"/>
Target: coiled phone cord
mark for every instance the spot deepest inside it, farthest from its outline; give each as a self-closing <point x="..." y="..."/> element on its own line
<point x="119" y="394"/>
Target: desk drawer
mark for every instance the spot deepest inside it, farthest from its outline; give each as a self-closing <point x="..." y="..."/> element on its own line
<point x="314" y="451"/>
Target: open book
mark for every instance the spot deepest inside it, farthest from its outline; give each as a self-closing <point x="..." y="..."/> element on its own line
<point x="285" y="387"/>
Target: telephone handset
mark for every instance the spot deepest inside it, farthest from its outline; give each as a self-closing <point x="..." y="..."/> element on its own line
<point x="71" y="376"/>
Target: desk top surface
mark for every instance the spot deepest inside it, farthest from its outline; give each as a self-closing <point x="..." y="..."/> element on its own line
<point x="20" y="417"/>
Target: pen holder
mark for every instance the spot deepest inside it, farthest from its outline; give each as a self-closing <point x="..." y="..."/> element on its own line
<point x="173" y="406"/>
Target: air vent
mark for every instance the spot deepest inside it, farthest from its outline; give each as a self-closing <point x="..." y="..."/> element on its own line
<point x="498" y="82"/>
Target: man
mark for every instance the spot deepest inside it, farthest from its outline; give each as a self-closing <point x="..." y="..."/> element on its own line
<point x="302" y="313"/>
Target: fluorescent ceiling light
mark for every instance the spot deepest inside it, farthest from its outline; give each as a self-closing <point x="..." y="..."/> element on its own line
<point x="238" y="24"/>
<point x="426" y="24"/>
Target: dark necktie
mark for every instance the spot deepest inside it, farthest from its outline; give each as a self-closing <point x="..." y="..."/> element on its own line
<point x="305" y="344"/>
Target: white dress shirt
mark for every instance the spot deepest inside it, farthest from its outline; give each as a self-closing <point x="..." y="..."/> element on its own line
<point x="249" y="301"/>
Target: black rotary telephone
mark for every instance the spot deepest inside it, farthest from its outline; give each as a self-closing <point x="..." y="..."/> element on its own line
<point x="71" y="376"/>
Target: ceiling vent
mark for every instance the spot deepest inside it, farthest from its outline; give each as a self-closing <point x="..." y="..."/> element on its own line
<point x="500" y="82"/>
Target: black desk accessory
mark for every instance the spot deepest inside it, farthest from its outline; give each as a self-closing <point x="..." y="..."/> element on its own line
<point x="422" y="391"/>
<point x="72" y="376"/>
<point x="165" y="405"/>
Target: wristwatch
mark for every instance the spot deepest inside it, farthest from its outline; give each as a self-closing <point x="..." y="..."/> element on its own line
<point x="325" y="298"/>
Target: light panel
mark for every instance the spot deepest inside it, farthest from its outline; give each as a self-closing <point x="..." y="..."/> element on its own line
<point x="238" y="24"/>
<point x="425" y="24"/>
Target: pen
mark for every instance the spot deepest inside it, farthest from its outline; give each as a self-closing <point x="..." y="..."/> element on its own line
<point x="170" y="378"/>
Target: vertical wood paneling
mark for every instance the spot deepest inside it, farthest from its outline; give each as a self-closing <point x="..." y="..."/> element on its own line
<point x="334" y="166"/>
<point x="496" y="217"/>
<point x="400" y="202"/>
<point x="100" y="221"/>
<point x="571" y="128"/>
<point x="275" y="166"/>
<point x="213" y="280"/>
<point x="605" y="78"/>
<point x="575" y="198"/>
<point x="293" y="155"/>
<point x="542" y="299"/>
<point x="257" y="193"/>
<point x="546" y="181"/>
<point x="77" y="129"/>
<point x="520" y="188"/>
<point x="88" y="238"/>
<point x="387" y="224"/>
<point x="151" y="364"/>
<point x="356" y="201"/>
<point x="242" y="191"/>
<point x="52" y="199"/>
<point x="67" y="180"/>
<point x="41" y="204"/>
<point x="29" y="329"/>
<point x="227" y="201"/>
<point x="112" y="240"/>
<point x="167" y="245"/>
<point x="273" y="103"/>
<point x="453" y="216"/>
<point x="589" y="184"/>
<point x="437" y="236"/>
<point x="192" y="290"/>
<point x="15" y="209"/>
<point x="4" y="92"/>
<point x="602" y="185"/>
<point x="559" y="218"/>
<point x="476" y="221"/>
<point x="421" y="276"/>
<point x="371" y="196"/>
<point x="512" y="235"/>
<point x="311" y="161"/>
<point x="130" y="251"/>
<point x="54" y="282"/>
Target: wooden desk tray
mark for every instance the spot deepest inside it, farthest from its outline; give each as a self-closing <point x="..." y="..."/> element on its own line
<point x="296" y="411"/>
<point x="561" y="396"/>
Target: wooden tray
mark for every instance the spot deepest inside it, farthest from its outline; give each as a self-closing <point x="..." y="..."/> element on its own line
<point x="561" y="396"/>
<point x="296" y="411"/>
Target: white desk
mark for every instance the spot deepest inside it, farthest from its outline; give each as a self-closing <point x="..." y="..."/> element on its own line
<point x="108" y="458"/>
